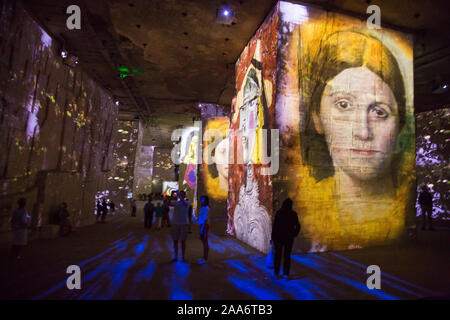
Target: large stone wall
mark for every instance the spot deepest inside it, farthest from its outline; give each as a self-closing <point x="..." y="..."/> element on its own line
<point x="341" y="97"/>
<point x="143" y="169"/>
<point x="56" y="126"/>
<point x="119" y="183"/>
<point x="163" y="168"/>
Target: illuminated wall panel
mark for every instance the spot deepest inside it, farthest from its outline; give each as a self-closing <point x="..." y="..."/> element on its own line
<point x="250" y="193"/>
<point x="341" y="96"/>
<point x="432" y="165"/>
<point x="213" y="171"/>
<point x="121" y="177"/>
<point x="57" y="127"/>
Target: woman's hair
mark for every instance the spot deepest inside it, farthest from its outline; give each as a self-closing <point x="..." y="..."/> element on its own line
<point x="205" y="200"/>
<point x="287" y="205"/>
<point x="22" y="202"/>
<point x="221" y="124"/>
<point x="337" y="52"/>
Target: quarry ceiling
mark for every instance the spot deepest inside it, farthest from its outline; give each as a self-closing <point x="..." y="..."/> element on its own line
<point x="160" y="57"/>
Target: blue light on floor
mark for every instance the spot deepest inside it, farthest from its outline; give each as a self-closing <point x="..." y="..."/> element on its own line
<point x="141" y="246"/>
<point x="249" y="286"/>
<point x="385" y="276"/>
<point x="335" y="272"/>
<point x="180" y="294"/>
<point x="147" y="273"/>
<point x="181" y="269"/>
<point x="216" y="247"/>
<point x="301" y="289"/>
<point x="378" y="293"/>
<point x="238" y="265"/>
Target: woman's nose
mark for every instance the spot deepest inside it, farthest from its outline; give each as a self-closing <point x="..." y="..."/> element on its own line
<point x="361" y="126"/>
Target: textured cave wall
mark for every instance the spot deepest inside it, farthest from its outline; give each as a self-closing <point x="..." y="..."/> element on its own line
<point x="119" y="182"/>
<point x="345" y="197"/>
<point x="432" y="161"/>
<point x="143" y="169"/>
<point x="56" y="126"/>
<point x="163" y="168"/>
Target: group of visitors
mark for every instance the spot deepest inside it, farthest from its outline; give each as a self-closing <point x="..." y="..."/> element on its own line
<point x="285" y="226"/>
<point x="21" y="220"/>
<point x="102" y="209"/>
<point x="181" y="220"/>
<point x="182" y="213"/>
<point x="158" y="208"/>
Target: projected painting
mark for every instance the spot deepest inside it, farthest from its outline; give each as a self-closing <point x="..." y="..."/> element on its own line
<point x="250" y="194"/>
<point x="355" y="164"/>
<point x="169" y="187"/>
<point x="188" y="167"/>
<point x="344" y="110"/>
<point x="216" y="146"/>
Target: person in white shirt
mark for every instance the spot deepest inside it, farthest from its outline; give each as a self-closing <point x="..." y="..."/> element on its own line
<point x="204" y="225"/>
<point x="180" y="224"/>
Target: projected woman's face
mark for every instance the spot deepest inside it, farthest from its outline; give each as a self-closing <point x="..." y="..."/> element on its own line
<point x="359" y="118"/>
<point x="221" y="157"/>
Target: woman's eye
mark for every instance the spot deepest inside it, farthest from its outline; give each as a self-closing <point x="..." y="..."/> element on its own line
<point x="380" y="112"/>
<point x="343" y="104"/>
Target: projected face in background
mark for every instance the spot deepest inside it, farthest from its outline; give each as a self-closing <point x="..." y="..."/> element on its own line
<point x="216" y="173"/>
<point x="359" y="119"/>
<point x="356" y="106"/>
<point x="221" y="156"/>
<point x="356" y="152"/>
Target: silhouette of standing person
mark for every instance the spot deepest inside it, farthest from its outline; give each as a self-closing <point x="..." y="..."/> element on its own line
<point x="165" y="217"/>
<point x="149" y="208"/>
<point x="64" y="223"/>
<point x="133" y="208"/>
<point x="19" y="224"/>
<point x="426" y="205"/>
<point x="204" y="226"/>
<point x="180" y="224"/>
<point x="104" y="210"/>
<point x="159" y="214"/>
<point x="99" y="211"/>
<point x="285" y="228"/>
<point x="112" y="205"/>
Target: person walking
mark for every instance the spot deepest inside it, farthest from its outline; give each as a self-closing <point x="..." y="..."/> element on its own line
<point x="19" y="224"/>
<point x="159" y="214"/>
<point x="112" y="206"/>
<point x="149" y="208"/>
<point x="285" y="228"/>
<point x="165" y="217"/>
<point x="65" y="226"/>
<point x="104" y="210"/>
<point x="133" y="208"/>
<point x="99" y="211"/>
<point x="426" y="206"/>
<point x="180" y="224"/>
<point x="204" y="226"/>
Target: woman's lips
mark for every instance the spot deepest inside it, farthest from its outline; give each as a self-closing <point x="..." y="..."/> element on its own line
<point x="364" y="152"/>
